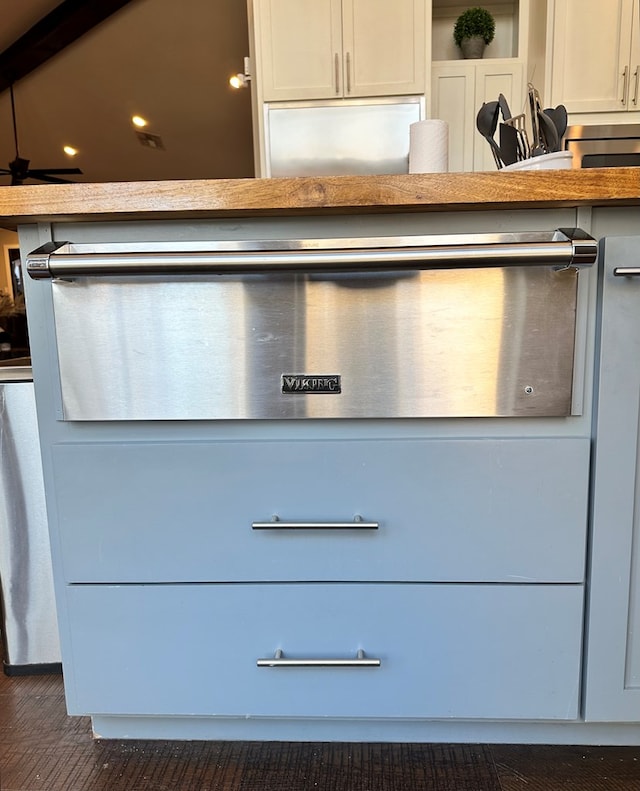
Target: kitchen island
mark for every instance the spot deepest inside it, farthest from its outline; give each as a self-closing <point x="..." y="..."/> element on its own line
<point x="463" y="568"/>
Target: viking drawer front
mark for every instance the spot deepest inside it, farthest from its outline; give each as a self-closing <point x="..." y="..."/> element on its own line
<point x="413" y="510"/>
<point x="469" y="651"/>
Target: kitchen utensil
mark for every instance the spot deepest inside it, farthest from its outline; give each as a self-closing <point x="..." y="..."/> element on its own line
<point x="486" y="123"/>
<point x="504" y="107"/>
<point x="509" y="144"/>
<point x="518" y="122"/>
<point x="537" y="147"/>
<point x="559" y="117"/>
<point x="548" y="133"/>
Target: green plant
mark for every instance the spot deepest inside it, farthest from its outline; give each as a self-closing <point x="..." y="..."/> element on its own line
<point x="474" y="22"/>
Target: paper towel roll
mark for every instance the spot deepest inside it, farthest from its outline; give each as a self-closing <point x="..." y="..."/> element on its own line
<point x="429" y="146"/>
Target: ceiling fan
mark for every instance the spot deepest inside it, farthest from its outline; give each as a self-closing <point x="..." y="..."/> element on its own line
<point x="19" y="169"/>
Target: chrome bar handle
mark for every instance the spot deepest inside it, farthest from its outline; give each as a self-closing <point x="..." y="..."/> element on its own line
<point x="358" y="523"/>
<point x="626" y="271"/>
<point x="636" y="74"/>
<point x="280" y="660"/>
<point x="565" y="247"/>
<point x="348" y="72"/>
<point x="336" y="68"/>
<point x="625" y="77"/>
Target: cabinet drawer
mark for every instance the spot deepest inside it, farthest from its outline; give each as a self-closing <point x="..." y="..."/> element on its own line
<point x="447" y="510"/>
<point x="469" y="651"/>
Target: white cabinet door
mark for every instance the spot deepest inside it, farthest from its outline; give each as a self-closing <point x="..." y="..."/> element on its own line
<point x="491" y="79"/>
<point x="383" y="47"/>
<point x="453" y="89"/>
<point x="300" y="53"/>
<point x="459" y="89"/>
<point x="328" y="49"/>
<point x="613" y="644"/>
<point x="633" y="99"/>
<point x="591" y="66"/>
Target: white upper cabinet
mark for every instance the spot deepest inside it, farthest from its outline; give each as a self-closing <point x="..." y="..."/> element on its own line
<point x="596" y="55"/>
<point x="329" y="49"/>
<point x="301" y="48"/>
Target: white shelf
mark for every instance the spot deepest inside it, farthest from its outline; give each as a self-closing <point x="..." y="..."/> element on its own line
<point x="444" y="15"/>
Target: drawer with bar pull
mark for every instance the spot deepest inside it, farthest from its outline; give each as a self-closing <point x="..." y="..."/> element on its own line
<point x="465" y="510"/>
<point x="317" y="650"/>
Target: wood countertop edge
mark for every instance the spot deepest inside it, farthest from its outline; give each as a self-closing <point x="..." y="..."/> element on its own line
<point x="328" y="195"/>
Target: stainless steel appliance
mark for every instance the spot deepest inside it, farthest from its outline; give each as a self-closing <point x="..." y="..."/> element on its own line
<point x="604" y="145"/>
<point x="28" y="624"/>
<point x="414" y="326"/>
<point x="340" y="137"/>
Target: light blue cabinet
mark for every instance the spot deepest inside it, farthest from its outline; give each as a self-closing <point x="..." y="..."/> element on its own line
<point x="612" y="690"/>
<point x="470" y="589"/>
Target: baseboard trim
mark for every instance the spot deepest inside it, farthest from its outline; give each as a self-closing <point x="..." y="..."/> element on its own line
<point x="41" y="669"/>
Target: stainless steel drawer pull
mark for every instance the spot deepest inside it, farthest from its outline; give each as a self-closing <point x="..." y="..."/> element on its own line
<point x="626" y="271"/>
<point x="358" y="523"/>
<point x="562" y="248"/>
<point x="279" y="660"/>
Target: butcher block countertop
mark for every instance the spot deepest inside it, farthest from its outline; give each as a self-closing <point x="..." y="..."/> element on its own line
<point x="144" y="200"/>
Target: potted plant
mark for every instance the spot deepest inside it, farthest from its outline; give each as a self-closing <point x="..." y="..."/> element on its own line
<point x="474" y="29"/>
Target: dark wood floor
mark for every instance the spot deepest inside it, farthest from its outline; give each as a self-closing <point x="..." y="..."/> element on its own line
<point x="41" y="749"/>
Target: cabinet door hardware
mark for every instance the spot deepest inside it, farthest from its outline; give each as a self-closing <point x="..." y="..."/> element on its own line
<point x="275" y="524"/>
<point x="625" y="78"/>
<point x="336" y="67"/>
<point x="636" y="74"/>
<point x="280" y="660"/>
<point x="348" y="72"/>
<point x="626" y="271"/>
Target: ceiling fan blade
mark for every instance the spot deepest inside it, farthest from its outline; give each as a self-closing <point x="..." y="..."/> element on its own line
<point x="49" y="179"/>
<point x="37" y="172"/>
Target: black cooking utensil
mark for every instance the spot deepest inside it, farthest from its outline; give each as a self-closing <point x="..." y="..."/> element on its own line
<point x="509" y="144"/>
<point x="504" y="107"/>
<point x="559" y="117"/>
<point x="548" y="132"/>
<point x="486" y="123"/>
<point x="518" y="122"/>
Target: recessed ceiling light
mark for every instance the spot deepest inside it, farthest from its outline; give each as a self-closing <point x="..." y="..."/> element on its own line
<point x="139" y="121"/>
<point x="70" y="151"/>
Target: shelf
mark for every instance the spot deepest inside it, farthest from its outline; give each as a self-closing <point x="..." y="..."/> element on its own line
<point x="504" y="45"/>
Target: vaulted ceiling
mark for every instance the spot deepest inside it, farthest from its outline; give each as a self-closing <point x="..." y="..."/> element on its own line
<point x="167" y="61"/>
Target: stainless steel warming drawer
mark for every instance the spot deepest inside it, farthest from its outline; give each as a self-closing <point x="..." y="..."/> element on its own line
<point x="463" y="325"/>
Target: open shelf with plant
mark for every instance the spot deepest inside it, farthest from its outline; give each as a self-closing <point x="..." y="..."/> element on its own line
<point x="504" y="44"/>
